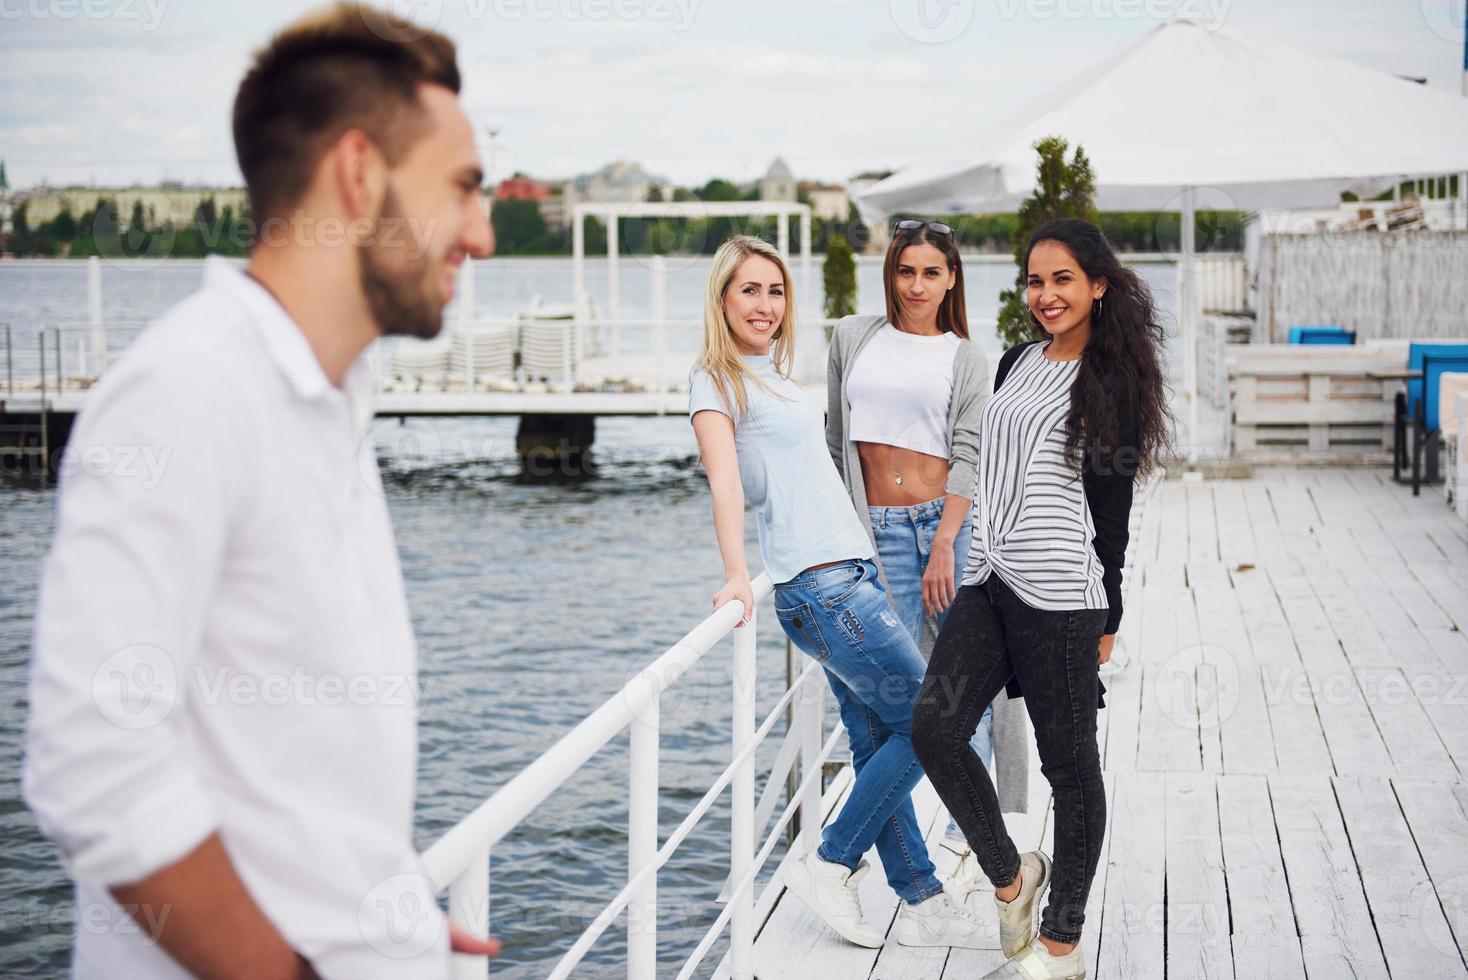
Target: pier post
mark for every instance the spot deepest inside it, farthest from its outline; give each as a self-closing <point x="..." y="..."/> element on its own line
<point x="741" y="800"/>
<point x="553" y="447"/>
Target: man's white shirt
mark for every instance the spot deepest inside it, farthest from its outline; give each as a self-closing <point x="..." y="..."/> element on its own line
<point x="223" y="645"/>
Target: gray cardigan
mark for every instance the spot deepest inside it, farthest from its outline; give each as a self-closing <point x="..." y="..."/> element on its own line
<point x="971" y="389"/>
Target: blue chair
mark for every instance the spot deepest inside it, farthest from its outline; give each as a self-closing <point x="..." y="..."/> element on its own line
<point x="1322" y="336"/>
<point x="1409" y="405"/>
<point x="1427" y="423"/>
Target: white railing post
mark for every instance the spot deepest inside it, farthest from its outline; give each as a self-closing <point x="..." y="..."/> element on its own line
<point x="810" y="709"/>
<point x="659" y="296"/>
<point x="94" y="313"/>
<point x="741" y="817"/>
<point x="469" y="910"/>
<point x="578" y="260"/>
<point x="642" y="840"/>
<point x="614" y="276"/>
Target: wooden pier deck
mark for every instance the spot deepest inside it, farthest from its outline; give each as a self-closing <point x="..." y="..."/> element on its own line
<point x="1283" y="755"/>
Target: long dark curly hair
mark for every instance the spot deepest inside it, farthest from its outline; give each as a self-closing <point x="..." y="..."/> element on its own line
<point x="1118" y="404"/>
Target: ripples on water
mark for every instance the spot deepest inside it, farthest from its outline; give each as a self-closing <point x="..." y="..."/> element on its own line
<point x="532" y="604"/>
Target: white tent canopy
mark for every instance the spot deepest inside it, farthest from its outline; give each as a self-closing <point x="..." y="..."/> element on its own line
<point x="1261" y="123"/>
<point x="1243" y="122"/>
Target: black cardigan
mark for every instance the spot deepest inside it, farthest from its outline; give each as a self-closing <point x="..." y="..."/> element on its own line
<point x="1108" y="482"/>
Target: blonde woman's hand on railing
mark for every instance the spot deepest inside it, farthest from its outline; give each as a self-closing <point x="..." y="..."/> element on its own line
<point x="737" y="588"/>
<point x="463" y="942"/>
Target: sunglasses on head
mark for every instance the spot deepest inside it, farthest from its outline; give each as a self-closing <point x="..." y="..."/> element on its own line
<point x="912" y="224"/>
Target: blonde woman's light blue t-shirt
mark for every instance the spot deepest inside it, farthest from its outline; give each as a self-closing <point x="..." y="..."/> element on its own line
<point x="802" y="511"/>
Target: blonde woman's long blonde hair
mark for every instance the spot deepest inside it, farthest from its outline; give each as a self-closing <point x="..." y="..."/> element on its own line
<point x="719" y="355"/>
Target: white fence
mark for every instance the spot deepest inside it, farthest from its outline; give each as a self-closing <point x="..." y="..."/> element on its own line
<point x="460" y="859"/>
<point x="1381" y="285"/>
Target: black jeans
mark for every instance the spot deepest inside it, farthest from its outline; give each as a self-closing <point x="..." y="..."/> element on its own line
<point x="990" y="635"/>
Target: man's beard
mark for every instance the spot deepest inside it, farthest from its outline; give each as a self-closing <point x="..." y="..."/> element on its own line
<point x="398" y="286"/>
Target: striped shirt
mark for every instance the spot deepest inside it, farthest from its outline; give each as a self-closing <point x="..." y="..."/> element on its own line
<point x="1032" y="526"/>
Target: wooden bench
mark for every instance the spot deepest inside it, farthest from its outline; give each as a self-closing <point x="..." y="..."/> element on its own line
<point x="1298" y="402"/>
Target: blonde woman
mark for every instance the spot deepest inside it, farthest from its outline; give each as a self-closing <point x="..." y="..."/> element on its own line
<point x="762" y="438"/>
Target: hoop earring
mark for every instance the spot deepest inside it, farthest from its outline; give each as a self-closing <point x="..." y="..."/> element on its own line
<point x="1096" y="315"/>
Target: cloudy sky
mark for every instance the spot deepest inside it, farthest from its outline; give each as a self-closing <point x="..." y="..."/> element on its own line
<point x="122" y="91"/>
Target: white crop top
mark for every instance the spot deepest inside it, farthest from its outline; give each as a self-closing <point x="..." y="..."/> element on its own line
<point x="899" y="390"/>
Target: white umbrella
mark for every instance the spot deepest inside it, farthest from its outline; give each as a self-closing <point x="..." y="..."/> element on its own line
<point x="1253" y="122"/>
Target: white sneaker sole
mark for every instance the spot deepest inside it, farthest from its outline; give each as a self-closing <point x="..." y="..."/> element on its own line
<point x="920" y="937"/>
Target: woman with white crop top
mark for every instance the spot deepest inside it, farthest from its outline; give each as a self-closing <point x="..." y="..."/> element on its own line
<point x="761" y="436"/>
<point x="907" y="391"/>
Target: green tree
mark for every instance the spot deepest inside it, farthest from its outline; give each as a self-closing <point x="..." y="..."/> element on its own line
<point x="718" y="189"/>
<point x="1062" y="190"/>
<point x="63" y="227"/>
<point x="518" y="228"/>
<point x="839" y="273"/>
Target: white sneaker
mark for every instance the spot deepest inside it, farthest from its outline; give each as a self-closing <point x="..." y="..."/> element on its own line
<point x="940" y="921"/>
<point x="1035" y="962"/>
<point x="830" y="890"/>
<point x="951" y="858"/>
<point x="1019" y="920"/>
<point x="965" y="877"/>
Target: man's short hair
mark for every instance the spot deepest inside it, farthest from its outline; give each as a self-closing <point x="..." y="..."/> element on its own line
<point x="349" y="66"/>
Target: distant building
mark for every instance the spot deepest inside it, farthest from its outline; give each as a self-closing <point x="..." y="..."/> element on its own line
<point x="553" y="210"/>
<point x="520" y="188"/>
<point x="827" y="201"/>
<point x="165" y="204"/>
<point x="619" y="182"/>
<point x="778" y="183"/>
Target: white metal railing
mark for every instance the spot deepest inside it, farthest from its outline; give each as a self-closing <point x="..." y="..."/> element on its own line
<point x="459" y="860"/>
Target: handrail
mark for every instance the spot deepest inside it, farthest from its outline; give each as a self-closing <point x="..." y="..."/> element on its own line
<point x="459" y="860"/>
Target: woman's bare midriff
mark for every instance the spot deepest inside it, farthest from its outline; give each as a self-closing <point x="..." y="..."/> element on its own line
<point x="923" y="477"/>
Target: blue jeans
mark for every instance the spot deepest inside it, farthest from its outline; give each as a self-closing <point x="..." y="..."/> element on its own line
<point x="905" y="542"/>
<point x="840" y="616"/>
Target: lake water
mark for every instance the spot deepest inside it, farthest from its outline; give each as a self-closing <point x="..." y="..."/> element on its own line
<point x="532" y="604"/>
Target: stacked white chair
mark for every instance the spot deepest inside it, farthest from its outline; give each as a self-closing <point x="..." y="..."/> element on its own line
<point x="420" y="360"/>
<point x="487" y="350"/>
<point x="554" y="340"/>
